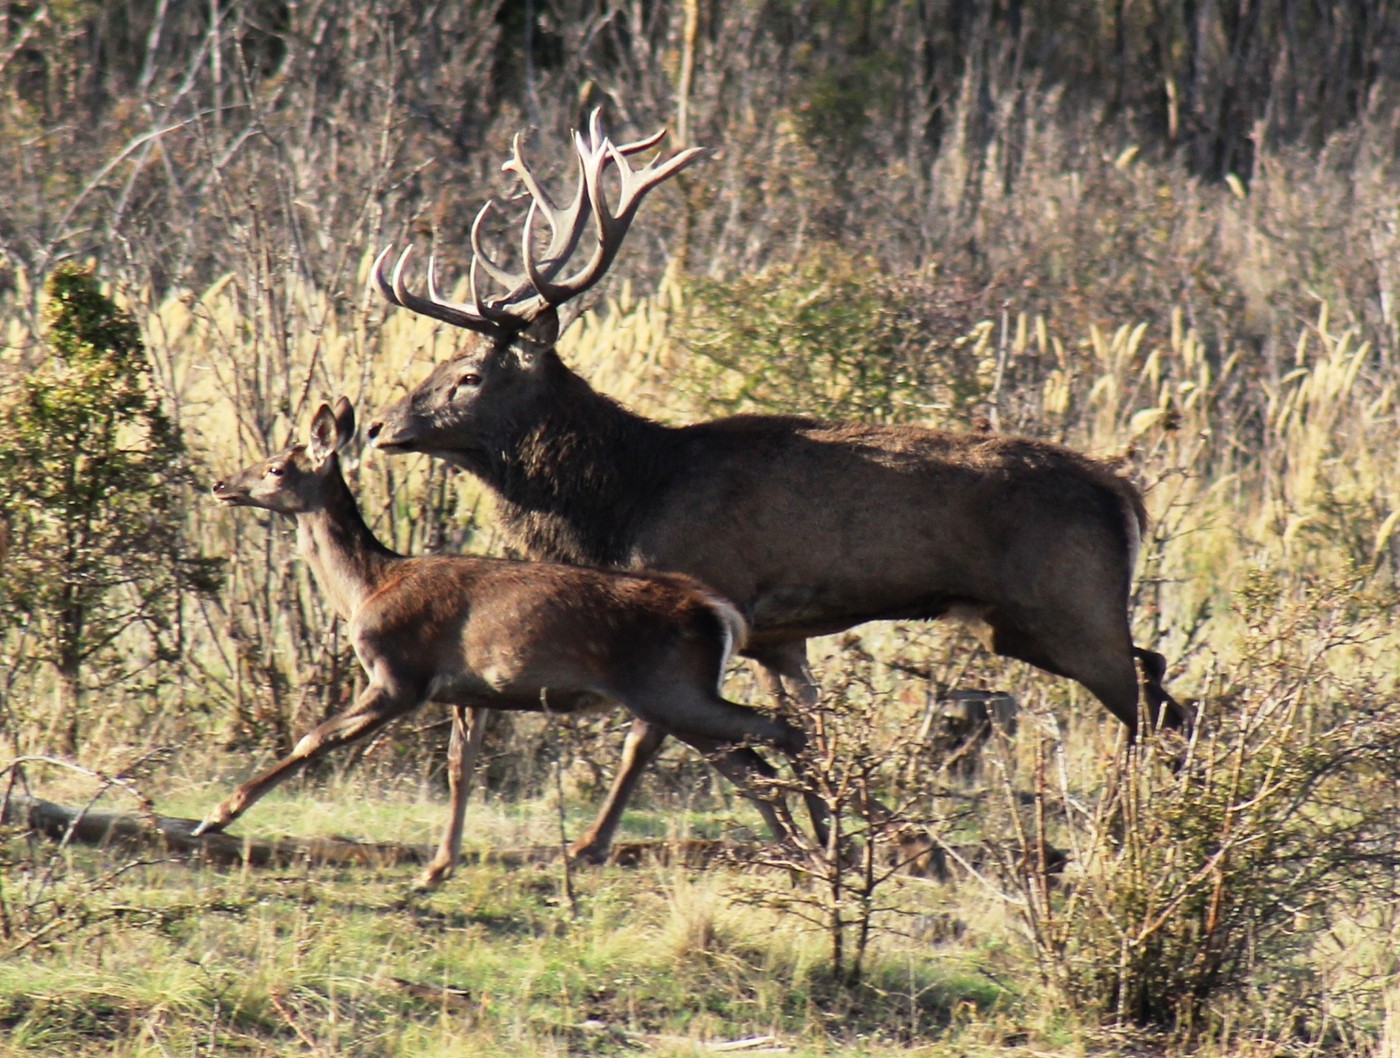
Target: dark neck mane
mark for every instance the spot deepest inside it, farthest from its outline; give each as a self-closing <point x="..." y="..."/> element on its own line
<point x="580" y="475"/>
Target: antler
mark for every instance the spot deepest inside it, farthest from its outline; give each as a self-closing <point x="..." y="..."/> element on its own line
<point x="534" y="290"/>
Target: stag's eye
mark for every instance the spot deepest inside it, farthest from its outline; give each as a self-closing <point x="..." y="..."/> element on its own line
<point x="471" y="380"/>
<point x="274" y="470"/>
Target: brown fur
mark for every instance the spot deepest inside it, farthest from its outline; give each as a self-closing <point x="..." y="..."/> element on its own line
<point x="810" y="527"/>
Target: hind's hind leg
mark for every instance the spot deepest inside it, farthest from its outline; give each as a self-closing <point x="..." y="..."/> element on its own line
<point x="643" y="742"/>
<point x="755" y="779"/>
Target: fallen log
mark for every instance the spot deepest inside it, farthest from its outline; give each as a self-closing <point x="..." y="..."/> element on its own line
<point x="147" y="834"/>
<point x="141" y="833"/>
<point x="136" y="833"/>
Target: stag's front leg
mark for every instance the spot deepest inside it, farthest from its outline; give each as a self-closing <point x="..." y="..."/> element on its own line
<point x="375" y="707"/>
<point x="463" y="747"/>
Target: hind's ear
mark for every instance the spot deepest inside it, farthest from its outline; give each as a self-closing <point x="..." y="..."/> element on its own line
<point x="323" y="443"/>
<point x="344" y="423"/>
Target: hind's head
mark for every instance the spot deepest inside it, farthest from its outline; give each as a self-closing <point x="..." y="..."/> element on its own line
<point x="294" y="480"/>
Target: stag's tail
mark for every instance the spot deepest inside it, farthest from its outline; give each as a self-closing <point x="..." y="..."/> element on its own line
<point x="1126" y="496"/>
<point x="1136" y="518"/>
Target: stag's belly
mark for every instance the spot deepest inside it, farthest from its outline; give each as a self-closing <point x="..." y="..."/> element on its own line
<point x="785" y="613"/>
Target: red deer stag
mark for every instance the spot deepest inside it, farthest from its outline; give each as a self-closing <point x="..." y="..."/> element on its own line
<point x="810" y="527"/>
<point x="495" y="633"/>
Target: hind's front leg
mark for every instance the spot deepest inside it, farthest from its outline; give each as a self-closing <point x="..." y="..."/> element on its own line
<point x="372" y="710"/>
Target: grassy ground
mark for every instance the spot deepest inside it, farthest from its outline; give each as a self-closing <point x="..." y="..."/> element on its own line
<point x="160" y="957"/>
<point x="106" y="954"/>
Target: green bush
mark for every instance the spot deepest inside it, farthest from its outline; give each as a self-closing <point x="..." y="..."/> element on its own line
<point x="833" y="336"/>
<point x="94" y="472"/>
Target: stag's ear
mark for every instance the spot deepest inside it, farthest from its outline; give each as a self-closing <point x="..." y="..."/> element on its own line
<point x="323" y="436"/>
<point x="537" y="339"/>
<point x="344" y="423"/>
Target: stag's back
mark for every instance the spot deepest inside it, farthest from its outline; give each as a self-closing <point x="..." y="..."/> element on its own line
<point x="820" y="525"/>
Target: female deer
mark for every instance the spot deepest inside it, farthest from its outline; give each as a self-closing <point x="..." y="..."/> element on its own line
<point x="477" y="632"/>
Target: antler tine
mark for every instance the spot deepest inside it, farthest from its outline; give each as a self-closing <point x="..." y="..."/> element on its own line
<point x="507" y="320"/>
<point x="516" y="164"/>
<point x="506" y="278"/>
<point x="595" y="129"/>
<point x="646" y="143"/>
<point x="637" y="182"/>
<point x="612" y="226"/>
<point x="376" y="271"/>
<point x="395" y="289"/>
<point x="540" y="274"/>
<point x="433" y="288"/>
<point x="595" y="137"/>
<point x="566" y="225"/>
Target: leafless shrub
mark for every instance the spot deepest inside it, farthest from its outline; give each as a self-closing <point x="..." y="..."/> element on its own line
<point x="42" y="902"/>
<point x="887" y="820"/>
<point x="1210" y="874"/>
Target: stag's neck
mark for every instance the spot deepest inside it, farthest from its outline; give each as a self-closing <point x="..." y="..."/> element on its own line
<point x="347" y="560"/>
<point x="576" y="485"/>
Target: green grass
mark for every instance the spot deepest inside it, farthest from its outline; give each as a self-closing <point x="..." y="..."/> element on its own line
<point x="103" y="955"/>
<point x="175" y="959"/>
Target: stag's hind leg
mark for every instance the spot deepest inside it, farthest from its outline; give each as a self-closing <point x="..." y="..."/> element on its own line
<point x="785" y="674"/>
<point x="376" y="706"/>
<point x="1094" y="651"/>
<point x="1161" y="705"/>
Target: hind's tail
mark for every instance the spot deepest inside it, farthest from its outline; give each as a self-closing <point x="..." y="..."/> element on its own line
<point x="736" y="628"/>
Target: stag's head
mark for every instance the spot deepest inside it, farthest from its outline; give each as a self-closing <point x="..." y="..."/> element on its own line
<point x="458" y="412"/>
<point x="294" y="481"/>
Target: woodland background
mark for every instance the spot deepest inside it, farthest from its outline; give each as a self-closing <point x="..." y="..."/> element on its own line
<point x="1166" y="232"/>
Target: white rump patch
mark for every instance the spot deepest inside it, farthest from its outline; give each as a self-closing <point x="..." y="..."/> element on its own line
<point x="736" y="630"/>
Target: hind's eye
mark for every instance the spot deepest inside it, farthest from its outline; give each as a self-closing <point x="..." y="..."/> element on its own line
<point x="275" y="470"/>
